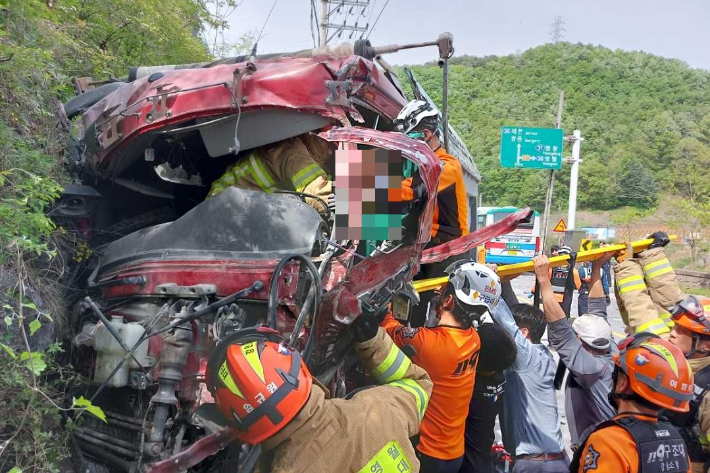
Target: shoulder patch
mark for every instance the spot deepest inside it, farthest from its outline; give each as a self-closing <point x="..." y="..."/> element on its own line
<point x="591" y="459"/>
<point x="408" y="332"/>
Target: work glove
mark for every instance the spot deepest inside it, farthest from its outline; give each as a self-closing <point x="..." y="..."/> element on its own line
<point x="366" y="325"/>
<point x="622" y="255"/>
<point x="660" y="239"/>
<point x="331" y="202"/>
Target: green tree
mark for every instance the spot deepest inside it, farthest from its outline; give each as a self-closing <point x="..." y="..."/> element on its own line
<point x="690" y="170"/>
<point x="635" y="185"/>
<point x="627" y="104"/>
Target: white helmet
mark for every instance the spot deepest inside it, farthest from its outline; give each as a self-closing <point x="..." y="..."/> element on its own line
<point x="565" y="250"/>
<point x="475" y="284"/>
<point x="412" y="114"/>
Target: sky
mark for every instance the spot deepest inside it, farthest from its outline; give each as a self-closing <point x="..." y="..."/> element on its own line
<point x="669" y="28"/>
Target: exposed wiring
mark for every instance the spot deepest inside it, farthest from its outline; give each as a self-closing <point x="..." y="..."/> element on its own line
<point x="331" y="242"/>
<point x="256" y="286"/>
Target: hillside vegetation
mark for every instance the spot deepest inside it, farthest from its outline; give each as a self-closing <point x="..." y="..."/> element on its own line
<point x="645" y="120"/>
<point x="42" y="45"/>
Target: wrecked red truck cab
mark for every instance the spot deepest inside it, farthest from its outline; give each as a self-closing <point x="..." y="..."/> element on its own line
<point x="149" y="149"/>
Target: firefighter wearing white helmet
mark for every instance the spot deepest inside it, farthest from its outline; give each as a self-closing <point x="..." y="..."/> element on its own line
<point x="449" y="353"/>
<point x="413" y="113"/>
<point x="420" y="121"/>
<point x="476" y="286"/>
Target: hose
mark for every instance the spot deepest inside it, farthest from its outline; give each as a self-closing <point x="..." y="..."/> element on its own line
<point x="273" y="297"/>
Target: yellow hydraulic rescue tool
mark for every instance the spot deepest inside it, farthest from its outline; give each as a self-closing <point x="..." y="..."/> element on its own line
<point x="518" y="268"/>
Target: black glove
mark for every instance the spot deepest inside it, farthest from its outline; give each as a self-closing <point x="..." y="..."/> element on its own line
<point x="660" y="239"/>
<point x="366" y="325"/>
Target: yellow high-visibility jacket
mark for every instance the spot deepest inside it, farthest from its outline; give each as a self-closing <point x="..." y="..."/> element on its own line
<point x="647" y="281"/>
<point x="662" y="282"/>
<point x="638" y="311"/>
<point x="369" y="432"/>
<point x="291" y="164"/>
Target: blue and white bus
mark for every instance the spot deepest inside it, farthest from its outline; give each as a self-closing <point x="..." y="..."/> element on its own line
<point x="518" y="246"/>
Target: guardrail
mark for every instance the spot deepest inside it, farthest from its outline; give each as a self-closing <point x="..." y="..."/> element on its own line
<point x="691" y="279"/>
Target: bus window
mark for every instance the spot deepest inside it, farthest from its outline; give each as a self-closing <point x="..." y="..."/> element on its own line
<point x="520" y="245"/>
<point x="481" y="221"/>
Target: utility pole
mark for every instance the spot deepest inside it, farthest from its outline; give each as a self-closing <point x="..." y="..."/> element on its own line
<point x="445" y="102"/>
<point x="551" y="180"/>
<point x="329" y="9"/>
<point x="558" y="26"/>
<point x="573" y="180"/>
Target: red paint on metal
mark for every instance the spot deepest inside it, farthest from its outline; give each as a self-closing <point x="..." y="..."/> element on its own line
<point x="472" y="240"/>
<point x="229" y="276"/>
<point x="285" y="83"/>
<point x="198" y="451"/>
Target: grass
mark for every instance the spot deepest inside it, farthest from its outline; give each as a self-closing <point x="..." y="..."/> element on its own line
<point x="697" y="291"/>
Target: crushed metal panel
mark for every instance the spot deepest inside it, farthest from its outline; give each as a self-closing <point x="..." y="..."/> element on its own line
<point x="183" y="95"/>
<point x="467" y="243"/>
<point x="258" y="128"/>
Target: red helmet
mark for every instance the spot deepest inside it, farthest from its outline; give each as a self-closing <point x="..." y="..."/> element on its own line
<point x="258" y="382"/>
<point x="657" y="371"/>
<point x="692" y="314"/>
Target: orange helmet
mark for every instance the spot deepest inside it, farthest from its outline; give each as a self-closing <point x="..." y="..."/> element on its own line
<point x="258" y="382"/>
<point x="657" y="371"/>
<point x="691" y="313"/>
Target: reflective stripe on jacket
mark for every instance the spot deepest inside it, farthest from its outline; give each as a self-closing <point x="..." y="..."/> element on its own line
<point x="369" y="432"/>
<point x="662" y="281"/>
<point x="633" y="293"/>
<point x="287" y="165"/>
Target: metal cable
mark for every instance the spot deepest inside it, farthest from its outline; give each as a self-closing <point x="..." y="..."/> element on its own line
<point x="377" y="19"/>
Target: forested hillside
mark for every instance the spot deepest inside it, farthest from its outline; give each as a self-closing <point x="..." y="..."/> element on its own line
<point x="645" y="120"/>
<point x="42" y="45"/>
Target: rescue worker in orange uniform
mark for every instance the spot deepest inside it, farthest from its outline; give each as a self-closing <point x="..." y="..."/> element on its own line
<point x="265" y="391"/>
<point x="650" y="375"/>
<point x="449" y="353"/>
<point x="662" y="305"/>
<point x="420" y="121"/>
<point x="691" y="333"/>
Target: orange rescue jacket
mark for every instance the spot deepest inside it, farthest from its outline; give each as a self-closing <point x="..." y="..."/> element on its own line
<point x="450" y="356"/>
<point x="611" y="450"/>
<point x="451" y="210"/>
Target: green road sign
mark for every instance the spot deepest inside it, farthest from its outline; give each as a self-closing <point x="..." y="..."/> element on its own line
<point x="531" y="148"/>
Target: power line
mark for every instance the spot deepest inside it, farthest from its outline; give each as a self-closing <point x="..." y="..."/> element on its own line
<point x="369" y="17"/>
<point x="337" y="18"/>
<point x="377" y="19"/>
<point x="266" y="21"/>
<point x="314" y="17"/>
